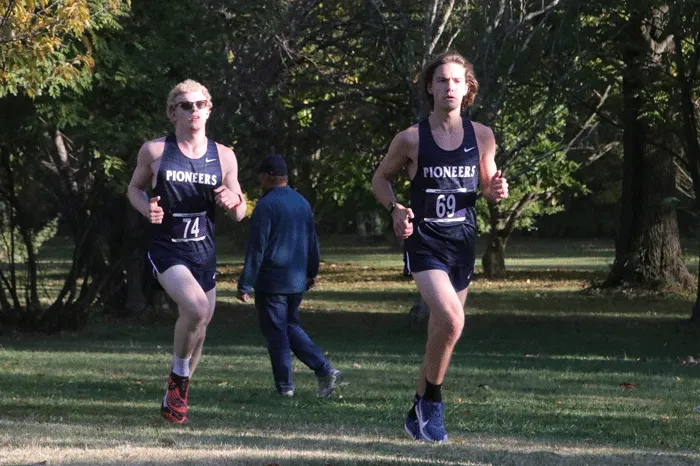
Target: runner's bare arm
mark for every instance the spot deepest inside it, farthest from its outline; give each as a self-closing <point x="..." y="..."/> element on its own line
<point x="493" y="184"/>
<point x="141" y="178"/>
<point x="229" y="195"/>
<point x="402" y="152"/>
<point x="398" y="157"/>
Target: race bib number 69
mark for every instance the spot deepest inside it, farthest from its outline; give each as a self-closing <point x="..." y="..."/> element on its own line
<point x="189" y="227"/>
<point x="446" y="205"/>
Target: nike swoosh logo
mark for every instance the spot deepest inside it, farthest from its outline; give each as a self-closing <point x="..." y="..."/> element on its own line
<point x="423" y="424"/>
<point x="208" y="160"/>
<point x="470" y="149"/>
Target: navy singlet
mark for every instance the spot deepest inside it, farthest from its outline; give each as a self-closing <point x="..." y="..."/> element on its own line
<point x="443" y="197"/>
<point x="186" y="189"/>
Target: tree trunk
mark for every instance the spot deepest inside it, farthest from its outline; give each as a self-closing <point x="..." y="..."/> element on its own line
<point x="647" y="248"/>
<point x="8" y="314"/>
<point x="493" y="259"/>
<point x="690" y="136"/>
<point x="32" y="298"/>
<point x="138" y="283"/>
<point x="9" y="195"/>
<point x="695" y="315"/>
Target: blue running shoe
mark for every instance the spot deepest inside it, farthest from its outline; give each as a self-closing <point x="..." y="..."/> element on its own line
<point x="431" y="420"/>
<point x="411" y="426"/>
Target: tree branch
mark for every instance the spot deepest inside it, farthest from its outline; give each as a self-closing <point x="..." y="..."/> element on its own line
<point x="7" y="14"/>
<point x="537" y="13"/>
<point x="441" y="27"/>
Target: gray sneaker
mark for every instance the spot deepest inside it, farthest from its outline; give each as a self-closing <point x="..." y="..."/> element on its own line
<point x="328" y="383"/>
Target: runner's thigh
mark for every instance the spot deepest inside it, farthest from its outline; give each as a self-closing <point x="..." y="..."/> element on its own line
<point x="182" y="287"/>
<point x="437" y="291"/>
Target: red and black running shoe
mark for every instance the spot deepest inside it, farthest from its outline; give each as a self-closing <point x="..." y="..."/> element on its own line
<point x="176" y="398"/>
<point x="171" y="416"/>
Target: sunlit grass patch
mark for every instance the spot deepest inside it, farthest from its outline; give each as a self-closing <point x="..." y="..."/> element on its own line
<point x="545" y="374"/>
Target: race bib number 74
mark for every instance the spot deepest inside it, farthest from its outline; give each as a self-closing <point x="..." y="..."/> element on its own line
<point x="189" y="227"/>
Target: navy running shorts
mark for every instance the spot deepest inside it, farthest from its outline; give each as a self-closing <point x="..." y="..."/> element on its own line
<point x="420" y="260"/>
<point x="160" y="262"/>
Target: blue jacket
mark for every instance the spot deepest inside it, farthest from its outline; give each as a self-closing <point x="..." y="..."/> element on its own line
<point x="282" y="250"/>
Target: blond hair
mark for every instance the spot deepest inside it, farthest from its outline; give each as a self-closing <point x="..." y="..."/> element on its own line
<point x="443" y="59"/>
<point x="188" y="85"/>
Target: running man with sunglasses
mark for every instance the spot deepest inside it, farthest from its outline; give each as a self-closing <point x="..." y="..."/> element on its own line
<point x="188" y="175"/>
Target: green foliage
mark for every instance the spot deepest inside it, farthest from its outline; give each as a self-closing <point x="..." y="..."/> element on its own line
<point x="46" y="46"/>
<point x="11" y="245"/>
<point x="327" y="85"/>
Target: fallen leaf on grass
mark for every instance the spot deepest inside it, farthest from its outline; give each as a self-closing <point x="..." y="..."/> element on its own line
<point x="627" y="386"/>
<point x="459" y="400"/>
<point x="118" y="376"/>
<point x="665" y="418"/>
<point x="356" y="365"/>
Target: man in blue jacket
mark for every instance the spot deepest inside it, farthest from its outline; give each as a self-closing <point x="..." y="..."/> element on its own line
<point x="281" y="262"/>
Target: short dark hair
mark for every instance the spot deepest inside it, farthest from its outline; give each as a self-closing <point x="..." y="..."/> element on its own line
<point x="443" y="59"/>
<point x="273" y="181"/>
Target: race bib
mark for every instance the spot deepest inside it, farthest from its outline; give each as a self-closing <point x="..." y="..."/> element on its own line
<point x="446" y="205"/>
<point x="189" y="227"/>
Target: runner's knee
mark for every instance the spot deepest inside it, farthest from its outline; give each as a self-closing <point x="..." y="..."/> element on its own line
<point x="198" y="310"/>
<point x="455" y="326"/>
<point x="450" y="325"/>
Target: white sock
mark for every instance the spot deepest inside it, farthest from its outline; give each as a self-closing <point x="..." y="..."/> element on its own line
<point x="181" y="367"/>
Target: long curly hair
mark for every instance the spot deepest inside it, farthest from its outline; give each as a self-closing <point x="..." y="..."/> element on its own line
<point x="450" y="56"/>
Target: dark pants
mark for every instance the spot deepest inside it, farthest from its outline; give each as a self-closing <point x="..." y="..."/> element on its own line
<point x="279" y="322"/>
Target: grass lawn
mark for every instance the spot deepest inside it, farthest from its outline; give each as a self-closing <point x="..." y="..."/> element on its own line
<point x="544" y="374"/>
